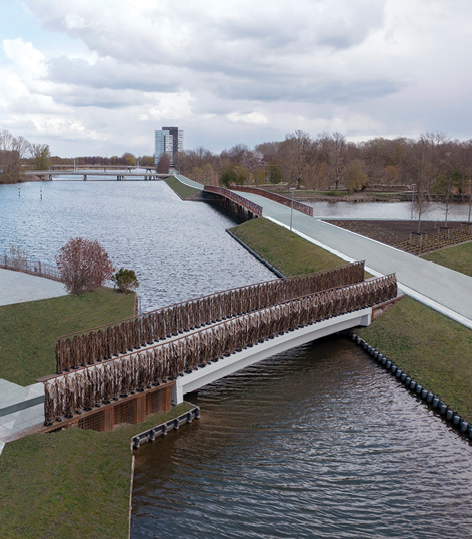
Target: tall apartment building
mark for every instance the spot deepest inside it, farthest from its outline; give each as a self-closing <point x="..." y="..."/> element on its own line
<point x="168" y="140"/>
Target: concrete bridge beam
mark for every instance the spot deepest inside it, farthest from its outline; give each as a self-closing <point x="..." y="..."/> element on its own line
<point x="228" y="365"/>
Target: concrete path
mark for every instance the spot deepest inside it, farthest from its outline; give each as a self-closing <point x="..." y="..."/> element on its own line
<point x="443" y="289"/>
<point x="21" y="408"/>
<point x="17" y="287"/>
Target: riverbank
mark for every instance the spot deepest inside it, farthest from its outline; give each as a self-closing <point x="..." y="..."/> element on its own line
<point x="28" y="330"/>
<point x="185" y="192"/>
<point x="424" y="343"/>
<point x="74" y="483"/>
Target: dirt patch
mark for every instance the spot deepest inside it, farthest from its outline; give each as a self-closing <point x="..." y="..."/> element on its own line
<point x="401" y="234"/>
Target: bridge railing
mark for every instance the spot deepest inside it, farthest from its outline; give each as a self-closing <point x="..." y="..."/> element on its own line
<point x="299" y="206"/>
<point x="96" y="344"/>
<point x="70" y="393"/>
<point x="33" y="267"/>
<point x="248" y="204"/>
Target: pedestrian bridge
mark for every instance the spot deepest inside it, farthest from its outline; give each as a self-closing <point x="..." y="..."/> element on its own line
<point x="182" y="347"/>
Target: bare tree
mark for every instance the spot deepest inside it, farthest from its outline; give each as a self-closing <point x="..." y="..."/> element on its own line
<point x="297" y="157"/>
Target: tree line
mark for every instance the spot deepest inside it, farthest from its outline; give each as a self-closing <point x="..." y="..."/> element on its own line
<point x="433" y="162"/>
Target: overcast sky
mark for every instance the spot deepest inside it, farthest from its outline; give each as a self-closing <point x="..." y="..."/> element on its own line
<point x="97" y="77"/>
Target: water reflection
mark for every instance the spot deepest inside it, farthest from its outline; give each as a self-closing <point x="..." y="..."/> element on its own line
<point x="315" y="442"/>
<point x="386" y="210"/>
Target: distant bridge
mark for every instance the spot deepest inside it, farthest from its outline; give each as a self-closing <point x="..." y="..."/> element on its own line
<point x="121" y="368"/>
<point x="119" y="175"/>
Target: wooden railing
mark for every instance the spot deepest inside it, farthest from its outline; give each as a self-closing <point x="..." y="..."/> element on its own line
<point x="299" y="206"/>
<point x="238" y="199"/>
<point x="96" y="344"/>
<point x="81" y="390"/>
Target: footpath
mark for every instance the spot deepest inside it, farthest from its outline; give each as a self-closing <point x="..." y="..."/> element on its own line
<point x="21" y="408"/>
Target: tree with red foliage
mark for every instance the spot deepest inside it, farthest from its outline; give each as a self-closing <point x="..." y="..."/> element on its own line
<point x="83" y="265"/>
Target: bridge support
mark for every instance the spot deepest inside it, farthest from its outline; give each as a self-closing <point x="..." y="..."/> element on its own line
<point x="228" y="365"/>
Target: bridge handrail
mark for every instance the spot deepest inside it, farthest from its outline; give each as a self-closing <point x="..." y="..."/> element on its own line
<point x="101" y="342"/>
<point x="248" y="204"/>
<point x="98" y="384"/>
<point x="299" y="206"/>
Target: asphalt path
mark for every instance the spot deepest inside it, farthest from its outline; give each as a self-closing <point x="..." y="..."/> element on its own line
<point x="443" y="289"/>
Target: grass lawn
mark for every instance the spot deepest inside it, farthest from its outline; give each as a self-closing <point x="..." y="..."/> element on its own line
<point x="184" y="191"/>
<point x="289" y="253"/>
<point x="427" y="345"/>
<point x="74" y="483"/>
<point x="28" y="330"/>
<point x="458" y="258"/>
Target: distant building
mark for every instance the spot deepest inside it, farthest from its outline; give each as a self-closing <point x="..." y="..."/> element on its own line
<point x="169" y="140"/>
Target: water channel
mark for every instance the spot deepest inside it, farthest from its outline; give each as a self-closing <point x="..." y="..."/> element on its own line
<point x="315" y="442"/>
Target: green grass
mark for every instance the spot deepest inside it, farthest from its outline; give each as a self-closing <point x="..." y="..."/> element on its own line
<point x="184" y="191"/>
<point x="28" y="330"/>
<point x="427" y="345"/>
<point x="288" y="252"/>
<point x="73" y="483"/>
<point x="458" y="258"/>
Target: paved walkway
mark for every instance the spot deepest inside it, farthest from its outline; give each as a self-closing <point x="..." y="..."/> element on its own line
<point x="21" y="408"/>
<point x="17" y="287"/>
<point x="443" y="289"/>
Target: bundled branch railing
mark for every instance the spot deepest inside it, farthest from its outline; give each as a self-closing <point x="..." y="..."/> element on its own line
<point x="81" y="390"/>
<point x="248" y="204"/>
<point x="33" y="267"/>
<point x="79" y="349"/>
<point x="299" y="206"/>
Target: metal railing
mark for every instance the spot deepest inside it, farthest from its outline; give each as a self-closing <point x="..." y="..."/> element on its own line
<point x="238" y="199"/>
<point x="32" y="267"/>
<point x="299" y="206"/>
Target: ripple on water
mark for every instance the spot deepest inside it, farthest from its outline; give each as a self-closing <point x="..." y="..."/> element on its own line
<point x="315" y="442"/>
<point x="179" y="250"/>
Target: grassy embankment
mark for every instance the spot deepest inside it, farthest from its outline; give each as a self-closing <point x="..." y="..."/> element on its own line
<point x="458" y="258"/>
<point x="28" y="330"/>
<point x="184" y="191"/>
<point x="74" y="483"/>
<point x="426" y="344"/>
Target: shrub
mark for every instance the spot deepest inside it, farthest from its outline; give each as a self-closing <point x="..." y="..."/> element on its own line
<point x="18" y="258"/>
<point x="83" y="265"/>
<point x="126" y="280"/>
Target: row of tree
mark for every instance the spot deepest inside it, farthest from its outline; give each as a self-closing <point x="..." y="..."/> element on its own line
<point x="16" y="150"/>
<point x="433" y="162"/>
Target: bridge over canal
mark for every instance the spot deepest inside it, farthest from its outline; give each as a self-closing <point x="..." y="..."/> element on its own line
<point x="126" y="371"/>
<point x="98" y="175"/>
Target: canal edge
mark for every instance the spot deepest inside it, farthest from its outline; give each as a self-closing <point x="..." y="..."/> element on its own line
<point x="427" y="397"/>
<point x="269" y="266"/>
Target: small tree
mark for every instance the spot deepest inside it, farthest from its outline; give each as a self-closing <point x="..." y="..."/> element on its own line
<point x="126" y="280"/>
<point x="83" y="265"/>
<point x="355" y="177"/>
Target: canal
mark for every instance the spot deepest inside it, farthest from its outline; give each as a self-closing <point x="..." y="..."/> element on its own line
<point x="315" y="442"/>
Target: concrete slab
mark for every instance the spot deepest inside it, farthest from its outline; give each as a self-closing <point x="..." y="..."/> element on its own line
<point x="17" y="287"/>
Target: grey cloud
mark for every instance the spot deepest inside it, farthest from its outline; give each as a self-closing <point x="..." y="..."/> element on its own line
<point x="310" y="91"/>
<point x="108" y="73"/>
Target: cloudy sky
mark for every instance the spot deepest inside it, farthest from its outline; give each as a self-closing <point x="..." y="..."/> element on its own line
<point x="96" y="77"/>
